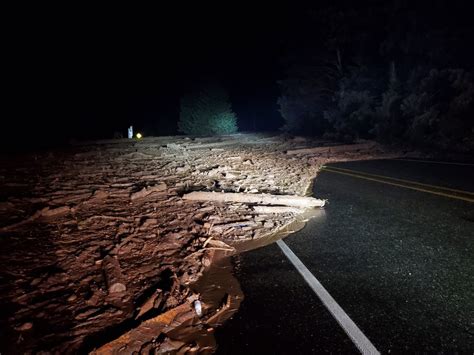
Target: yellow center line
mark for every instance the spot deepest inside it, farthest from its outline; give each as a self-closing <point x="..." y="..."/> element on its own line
<point x="404" y="181"/>
<point x="401" y="185"/>
<point x="432" y="162"/>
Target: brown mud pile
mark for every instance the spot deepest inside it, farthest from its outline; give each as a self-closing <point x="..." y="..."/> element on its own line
<point x="100" y="251"/>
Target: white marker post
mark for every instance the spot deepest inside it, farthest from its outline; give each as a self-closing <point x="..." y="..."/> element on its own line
<point x="130" y="132"/>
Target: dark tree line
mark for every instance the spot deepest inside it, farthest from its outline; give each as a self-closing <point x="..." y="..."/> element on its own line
<point x="396" y="71"/>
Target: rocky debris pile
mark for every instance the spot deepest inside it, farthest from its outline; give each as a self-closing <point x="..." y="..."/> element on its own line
<point x="102" y="243"/>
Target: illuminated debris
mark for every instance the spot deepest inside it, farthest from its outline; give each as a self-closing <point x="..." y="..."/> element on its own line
<point x="275" y="209"/>
<point x="153" y="302"/>
<point x="261" y="199"/>
<point x="110" y="239"/>
<point x="188" y="327"/>
<point x="148" y="190"/>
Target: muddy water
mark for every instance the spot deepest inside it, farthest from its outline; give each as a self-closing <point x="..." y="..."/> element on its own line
<point x="189" y="328"/>
<point x="185" y="328"/>
<point x="295" y="226"/>
<point x="219" y="289"/>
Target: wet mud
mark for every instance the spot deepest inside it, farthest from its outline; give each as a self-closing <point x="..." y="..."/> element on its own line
<point x="188" y="328"/>
<point x="292" y="227"/>
<point x="191" y="330"/>
<point x="101" y="253"/>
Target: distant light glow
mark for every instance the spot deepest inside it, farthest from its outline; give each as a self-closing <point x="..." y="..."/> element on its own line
<point x="139" y="135"/>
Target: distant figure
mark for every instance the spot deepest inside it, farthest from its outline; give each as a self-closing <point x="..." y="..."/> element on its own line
<point x="130" y="132"/>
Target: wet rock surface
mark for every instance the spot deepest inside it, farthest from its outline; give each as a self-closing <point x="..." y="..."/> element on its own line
<point x="101" y="252"/>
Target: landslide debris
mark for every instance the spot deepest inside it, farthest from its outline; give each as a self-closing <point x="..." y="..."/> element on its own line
<point x="100" y="249"/>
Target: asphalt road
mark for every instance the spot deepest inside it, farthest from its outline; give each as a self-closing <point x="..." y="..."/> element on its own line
<point x="398" y="257"/>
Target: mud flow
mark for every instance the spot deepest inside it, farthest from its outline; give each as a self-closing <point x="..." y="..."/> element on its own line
<point x="126" y="246"/>
<point x="219" y="299"/>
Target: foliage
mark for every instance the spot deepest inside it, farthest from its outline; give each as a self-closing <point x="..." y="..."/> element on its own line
<point x="440" y="109"/>
<point x="306" y="94"/>
<point x="389" y="123"/>
<point x="353" y="111"/>
<point x="207" y="111"/>
<point x="301" y="113"/>
<point x="352" y="116"/>
<point x="379" y="72"/>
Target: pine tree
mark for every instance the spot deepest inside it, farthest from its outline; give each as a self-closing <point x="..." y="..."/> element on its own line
<point x="207" y="112"/>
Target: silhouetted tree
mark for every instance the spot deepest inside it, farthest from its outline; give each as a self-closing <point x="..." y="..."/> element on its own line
<point x="337" y="84"/>
<point x="440" y="110"/>
<point x="352" y="114"/>
<point x="390" y="125"/>
<point x="207" y="112"/>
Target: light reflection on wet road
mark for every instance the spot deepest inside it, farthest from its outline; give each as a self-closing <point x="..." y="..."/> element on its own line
<point x="399" y="262"/>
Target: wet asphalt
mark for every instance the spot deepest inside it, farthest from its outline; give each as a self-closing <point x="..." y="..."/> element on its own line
<point x="399" y="262"/>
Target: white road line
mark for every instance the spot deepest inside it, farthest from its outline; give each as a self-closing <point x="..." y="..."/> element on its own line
<point x="433" y="162"/>
<point x="351" y="329"/>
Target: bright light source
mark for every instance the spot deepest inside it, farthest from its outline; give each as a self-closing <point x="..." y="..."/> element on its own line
<point x="139" y="135"/>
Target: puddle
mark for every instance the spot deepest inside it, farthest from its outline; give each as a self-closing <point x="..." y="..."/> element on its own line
<point x="220" y="289"/>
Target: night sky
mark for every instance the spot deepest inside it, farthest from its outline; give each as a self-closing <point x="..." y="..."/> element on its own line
<point x="86" y="73"/>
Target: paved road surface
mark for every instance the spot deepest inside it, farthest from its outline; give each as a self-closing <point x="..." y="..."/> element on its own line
<point x="397" y="256"/>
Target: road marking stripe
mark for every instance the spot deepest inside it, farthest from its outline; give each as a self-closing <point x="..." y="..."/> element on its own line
<point x="433" y="162"/>
<point x="351" y="329"/>
<point x="401" y="180"/>
<point x="405" y="186"/>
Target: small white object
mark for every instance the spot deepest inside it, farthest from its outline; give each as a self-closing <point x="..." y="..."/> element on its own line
<point x="130" y="132"/>
<point x="198" y="308"/>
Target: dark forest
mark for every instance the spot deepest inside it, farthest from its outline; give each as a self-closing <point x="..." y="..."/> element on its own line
<point x="396" y="71"/>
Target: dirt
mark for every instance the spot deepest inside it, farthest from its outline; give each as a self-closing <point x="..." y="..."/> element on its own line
<point x="100" y="252"/>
